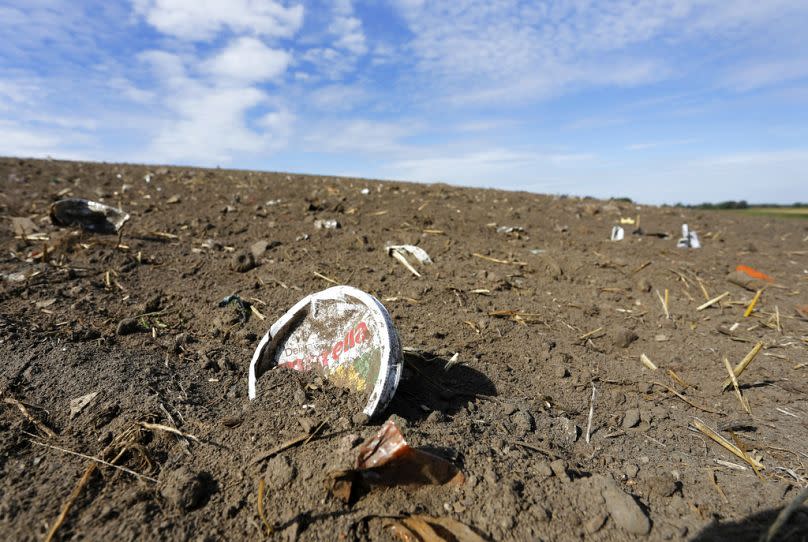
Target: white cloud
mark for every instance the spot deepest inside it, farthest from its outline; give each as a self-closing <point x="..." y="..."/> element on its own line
<point x="766" y="73"/>
<point x="359" y="135"/>
<point x="337" y="97"/>
<point x="202" y="20"/>
<point x="16" y="140"/>
<point x="247" y="60"/>
<point x="473" y="51"/>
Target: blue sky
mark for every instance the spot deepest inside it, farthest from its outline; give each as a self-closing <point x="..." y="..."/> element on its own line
<point x="666" y="101"/>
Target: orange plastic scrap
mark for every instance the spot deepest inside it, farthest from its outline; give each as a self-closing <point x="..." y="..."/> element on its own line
<point x="386" y="459"/>
<point x="754" y="273"/>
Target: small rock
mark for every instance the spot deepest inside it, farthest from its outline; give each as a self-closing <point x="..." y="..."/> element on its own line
<point x="664" y="485"/>
<point x="231" y="421"/>
<point x="623" y="338"/>
<point x="187" y="490"/>
<point x="360" y="419"/>
<point x="127" y="326"/>
<point x="436" y="416"/>
<point x="595" y="523"/>
<point x="508" y="409"/>
<point x="280" y="472"/>
<point x="329" y="224"/>
<point x="543" y="469"/>
<point x="631" y="470"/>
<point x="561" y="372"/>
<point x="631" y="418"/>
<point x="559" y="468"/>
<point x="153" y="304"/>
<point x="243" y="262"/>
<point x="570" y="429"/>
<point x="524" y="422"/>
<point x="644" y="285"/>
<point x="624" y="510"/>
<point x="258" y="248"/>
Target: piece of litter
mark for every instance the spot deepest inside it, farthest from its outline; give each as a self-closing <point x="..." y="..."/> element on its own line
<point x="78" y="404"/>
<point x="647" y="362"/>
<point x="689" y="238"/>
<point x="329" y="224"/>
<point x="387" y="460"/>
<point x="400" y="252"/>
<point x="89" y="215"/>
<point x="617" y="233"/>
<point x="342" y="333"/>
<point x="510" y="229"/>
<point x="365" y="191"/>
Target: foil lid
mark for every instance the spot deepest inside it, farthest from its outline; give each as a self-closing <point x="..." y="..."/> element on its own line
<point x="342" y="333"/>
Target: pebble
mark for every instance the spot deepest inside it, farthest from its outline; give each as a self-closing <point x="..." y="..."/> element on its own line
<point x="559" y="468"/>
<point x="242" y="262"/>
<point x="631" y="470"/>
<point x="623" y="509"/>
<point x="631" y="418"/>
<point x="185" y="489"/>
<point x="524" y="422"/>
<point x="280" y="472"/>
<point x="644" y="285"/>
<point x="508" y="409"/>
<point x="623" y="338"/>
<point x="360" y="418"/>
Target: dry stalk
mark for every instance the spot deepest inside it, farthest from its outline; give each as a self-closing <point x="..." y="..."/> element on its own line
<point x="713" y="435"/>
<point x="591" y="413"/>
<point x="741" y="367"/>
<point x="325" y="278"/>
<point x="28" y="416"/>
<point x="68" y="504"/>
<point x="664" y="304"/>
<point x="647" y="362"/>
<point x="261" y="514"/>
<point x="752" y="304"/>
<point x="738" y="394"/>
<point x="784" y="515"/>
<point x="685" y="399"/>
<point x="712" y="301"/>
<point x="497" y="260"/>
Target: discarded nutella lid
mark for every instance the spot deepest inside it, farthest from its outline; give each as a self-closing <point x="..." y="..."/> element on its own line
<point x="343" y="333"/>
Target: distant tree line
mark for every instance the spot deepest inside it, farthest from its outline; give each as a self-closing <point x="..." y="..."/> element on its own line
<point x="742" y="204"/>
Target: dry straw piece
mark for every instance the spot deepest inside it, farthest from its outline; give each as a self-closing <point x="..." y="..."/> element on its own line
<point x="712" y="302"/>
<point x="647" y="362"/>
<point x="741" y="367"/>
<point x="712" y="434"/>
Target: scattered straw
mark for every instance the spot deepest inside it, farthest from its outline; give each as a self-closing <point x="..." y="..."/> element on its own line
<point x="400" y="257"/>
<point x="70" y="501"/>
<point x="664" y="302"/>
<point x="261" y="514"/>
<point x="96" y="459"/>
<point x="741" y="367"/>
<point x="647" y="362"/>
<point x="28" y="416"/>
<point x="327" y="279"/>
<point x="712" y="302"/>
<point x="712" y="434"/>
<point x="751" y="306"/>
<point x="591" y="413"/>
<point x="497" y="260"/>
<point x="784" y="515"/>
<point x="685" y="399"/>
<point x="167" y="429"/>
<point x="741" y="399"/>
<point x="714" y="481"/>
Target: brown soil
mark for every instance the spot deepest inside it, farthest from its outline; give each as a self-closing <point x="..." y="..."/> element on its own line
<point x="512" y="416"/>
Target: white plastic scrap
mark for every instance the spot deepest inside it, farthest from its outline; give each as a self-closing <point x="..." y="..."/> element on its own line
<point x="617" y="233"/>
<point x="399" y="252"/>
<point x="329" y="224"/>
<point x="689" y="239"/>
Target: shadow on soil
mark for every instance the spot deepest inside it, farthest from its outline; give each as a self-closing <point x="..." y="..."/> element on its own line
<point x="430" y="383"/>
<point x="751" y="528"/>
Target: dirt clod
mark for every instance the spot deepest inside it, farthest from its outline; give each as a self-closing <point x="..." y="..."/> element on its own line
<point x="185" y="489"/>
